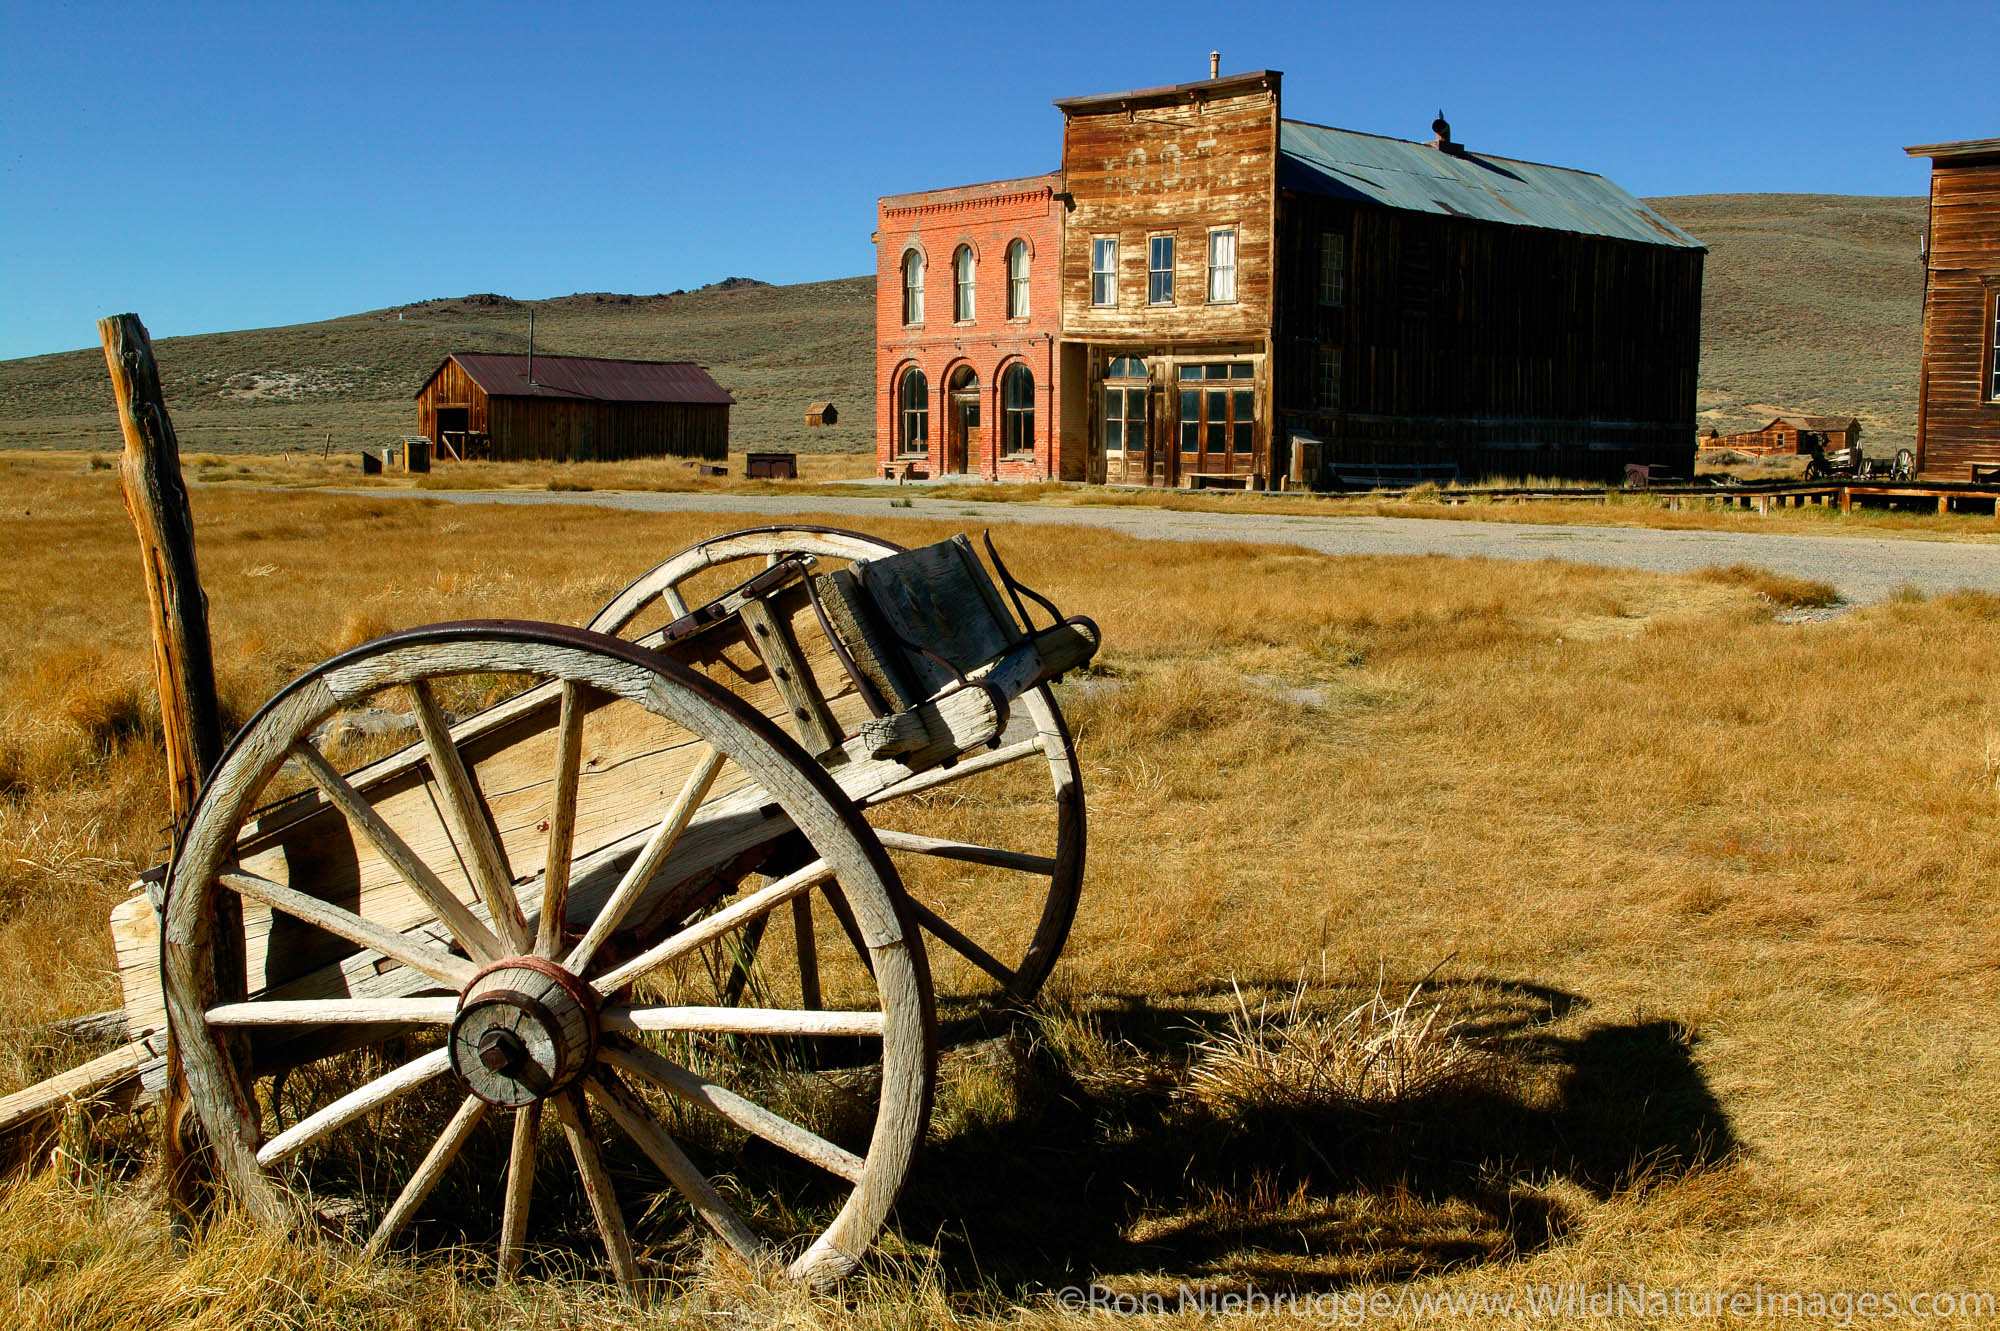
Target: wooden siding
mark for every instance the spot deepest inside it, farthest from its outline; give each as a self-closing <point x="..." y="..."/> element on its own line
<point x="451" y="386"/>
<point x="569" y="430"/>
<point x="1171" y="166"/>
<point x="566" y="431"/>
<point x="1959" y="419"/>
<point x="1508" y="350"/>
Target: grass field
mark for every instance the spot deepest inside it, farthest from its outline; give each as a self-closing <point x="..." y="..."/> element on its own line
<point x="1679" y="923"/>
<point x="1810" y="302"/>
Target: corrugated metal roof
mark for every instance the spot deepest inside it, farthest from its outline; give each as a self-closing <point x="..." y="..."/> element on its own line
<point x="1416" y="177"/>
<point x="592" y="379"/>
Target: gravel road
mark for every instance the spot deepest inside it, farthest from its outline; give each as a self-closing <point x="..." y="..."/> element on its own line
<point x="1864" y="568"/>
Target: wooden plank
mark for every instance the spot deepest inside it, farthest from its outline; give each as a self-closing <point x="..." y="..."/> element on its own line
<point x="809" y="719"/>
<point x="100" y="1076"/>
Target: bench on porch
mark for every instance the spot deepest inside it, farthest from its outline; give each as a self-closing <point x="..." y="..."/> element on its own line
<point x="1215" y="480"/>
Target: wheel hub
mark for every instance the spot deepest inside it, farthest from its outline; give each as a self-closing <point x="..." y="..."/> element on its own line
<point x="526" y="1028"/>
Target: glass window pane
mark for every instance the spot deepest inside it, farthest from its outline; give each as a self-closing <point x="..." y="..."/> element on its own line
<point x="1242" y="370"/>
<point x="1244" y="407"/>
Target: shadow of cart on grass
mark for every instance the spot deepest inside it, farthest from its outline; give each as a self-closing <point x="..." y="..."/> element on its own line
<point x="1147" y="1145"/>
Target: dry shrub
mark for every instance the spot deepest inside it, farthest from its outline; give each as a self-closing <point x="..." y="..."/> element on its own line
<point x="1288" y="1056"/>
<point x="1776" y="588"/>
<point x="359" y="626"/>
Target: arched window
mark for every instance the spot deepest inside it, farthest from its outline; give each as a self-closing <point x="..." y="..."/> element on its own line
<point x="1017" y="280"/>
<point x="913" y="287"/>
<point x="961" y="266"/>
<point x="913" y="400"/>
<point x="1017" y="408"/>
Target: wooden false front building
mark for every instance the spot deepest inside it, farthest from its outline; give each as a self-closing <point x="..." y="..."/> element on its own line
<point x="1229" y="281"/>
<point x="1958" y="410"/>
<point x="572" y="409"/>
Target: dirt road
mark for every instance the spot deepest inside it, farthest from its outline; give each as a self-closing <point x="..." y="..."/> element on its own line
<point x="1863" y="568"/>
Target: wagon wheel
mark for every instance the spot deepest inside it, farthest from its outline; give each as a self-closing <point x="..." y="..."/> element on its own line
<point x="1003" y="955"/>
<point x="467" y="996"/>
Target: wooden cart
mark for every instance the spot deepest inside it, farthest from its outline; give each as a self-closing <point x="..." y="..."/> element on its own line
<point x="515" y="871"/>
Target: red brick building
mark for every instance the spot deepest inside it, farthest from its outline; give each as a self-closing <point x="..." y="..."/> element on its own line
<point x="966" y="324"/>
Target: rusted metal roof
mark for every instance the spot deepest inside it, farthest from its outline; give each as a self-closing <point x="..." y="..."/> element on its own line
<point x="1416" y="177"/>
<point x="591" y="379"/>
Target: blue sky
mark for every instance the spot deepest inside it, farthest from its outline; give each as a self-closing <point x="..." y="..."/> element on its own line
<point x="235" y="166"/>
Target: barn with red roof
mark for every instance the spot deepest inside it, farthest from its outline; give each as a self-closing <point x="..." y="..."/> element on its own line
<point x="572" y="409"/>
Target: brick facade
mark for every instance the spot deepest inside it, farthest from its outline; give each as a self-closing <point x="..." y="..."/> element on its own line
<point x="987" y="219"/>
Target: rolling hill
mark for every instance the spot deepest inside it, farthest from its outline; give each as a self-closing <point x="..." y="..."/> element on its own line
<point x="1812" y="301"/>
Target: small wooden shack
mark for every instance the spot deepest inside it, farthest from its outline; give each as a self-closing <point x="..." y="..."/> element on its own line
<point x="572" y="408"/>
<point x="1785" y="434"/>
<point x="822" y="413"/>
<point x="1958" y="404"/>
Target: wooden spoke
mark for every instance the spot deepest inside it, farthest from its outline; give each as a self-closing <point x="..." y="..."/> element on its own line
<point x="675" y="605"/>
<point x="696" y="1089"/>
<point x="469" y="818"/>
<point x="648" y="863"/>
<point x="418" y="956"/>
<point x="705" y="931"/>
<point x="808" y="950"/>
<point x="969" y="852"/>
<point x="562" y="821"/>
<point x="848" y="924"/>
<point x="742" y="1020"/>
<point x="575" y="1119"/>
<point x="743" y="959"/>
<point x="412" y="1197"/>
<point x="665" y="1153"/>
<point x="473" y="935"/>
<point x="352" y="1106"/>
<point x="336" y="1011"/>
<point x="941" y="928"/>
<point x="944" y="776"/>
<point x="520" y="1188"/>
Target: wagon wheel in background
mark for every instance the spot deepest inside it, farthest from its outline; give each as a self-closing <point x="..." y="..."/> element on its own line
<point x="450" y="991"/>
<point x="996" y="958"/>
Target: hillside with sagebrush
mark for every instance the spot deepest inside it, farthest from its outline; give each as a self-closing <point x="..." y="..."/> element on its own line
<point x="1811" y="302"/>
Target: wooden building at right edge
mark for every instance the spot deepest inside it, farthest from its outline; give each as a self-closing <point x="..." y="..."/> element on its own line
<point x="1958" y="407"/>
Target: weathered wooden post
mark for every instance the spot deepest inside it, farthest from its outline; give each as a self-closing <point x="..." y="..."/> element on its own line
<point x="157" y="501"/>
<point x="183" y="661"/>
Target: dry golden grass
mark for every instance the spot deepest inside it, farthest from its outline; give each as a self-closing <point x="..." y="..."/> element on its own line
<point x="309" y="471"/>
<point x="1706" y="896"/>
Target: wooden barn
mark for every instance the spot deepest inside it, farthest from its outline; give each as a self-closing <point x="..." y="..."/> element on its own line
<point x="1786" y="434"/>
<point x="822" y="413"/>
<point x="1958" y="408"/>
<point x="572" y="409"/>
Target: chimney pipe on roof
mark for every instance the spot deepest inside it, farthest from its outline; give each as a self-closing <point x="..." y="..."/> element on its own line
<point x="1215" y="64"/>
<point x="1442" y="129"/>
<point x="531" y="344"/>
